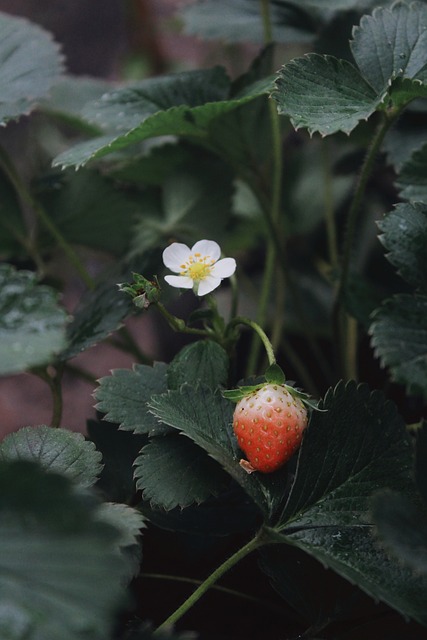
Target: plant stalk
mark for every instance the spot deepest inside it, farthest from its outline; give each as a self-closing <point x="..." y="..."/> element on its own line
<point x="253" y="544"/>
<point x="261" y="334"/>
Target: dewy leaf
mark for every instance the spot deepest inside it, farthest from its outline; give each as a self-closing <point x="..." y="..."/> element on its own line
<point x="392" y="43"/>
<point x="412" y="179"/>
<point x="57" y="450"/>
<point x="399" y="337"/>
<point x="355" y="447"/>
<point x="32" y="324"/>
<point x="172" y="472"/>
<point x="124" y="397"/>
<point x="30" y="65"/>
<point x="206" y="418"/>
<point x="203" y="361"/>
<point x="324" y="94"/>
<point x="60" y="573"/>
<point x="182" y="105"/>
<point x="404" y="235"/>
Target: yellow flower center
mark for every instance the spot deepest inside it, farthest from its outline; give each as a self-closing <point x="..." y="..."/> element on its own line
<point x="197" y="267"/>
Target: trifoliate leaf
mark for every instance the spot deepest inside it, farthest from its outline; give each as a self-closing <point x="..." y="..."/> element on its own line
<point x="30" y="65"/>
<point x="32" y="324"/>
<point x="206" y="418"/>
<point x="60" y="573"/>
<point x="203" y="362"/>
<point x="56" y="450"/>
<point x="404" y="235"/>
<point x="124" y="397"/>
<point x="412" y="179"/>
<point x="324" y="94"/>
<point x="349" y="452"/>
<point x="392" y="43"/>
<point x="399" y="337"/>
<point x="172" y="472"/>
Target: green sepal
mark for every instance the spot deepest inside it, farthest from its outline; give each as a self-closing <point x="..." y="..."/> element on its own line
<point x="237" y="394"/>
<point x="275" y="375"/>
<point x="143" y="292"/>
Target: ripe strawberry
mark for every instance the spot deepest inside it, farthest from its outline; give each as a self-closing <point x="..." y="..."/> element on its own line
<point x="269" y="424"/>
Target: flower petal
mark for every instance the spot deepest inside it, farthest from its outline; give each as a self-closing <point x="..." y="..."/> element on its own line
<point x="207" y="248"/>
<point x="175" y="255"/>
<point x="207" y="285"/>
<point x="180" y="282"/>
<point x="224" y="268"/>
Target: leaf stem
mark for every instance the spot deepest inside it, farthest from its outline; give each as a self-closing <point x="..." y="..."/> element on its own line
<point x="28" y="199"/>
<point x="253" y="544"/>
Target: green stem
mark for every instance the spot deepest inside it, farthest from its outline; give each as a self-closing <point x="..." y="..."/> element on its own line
<point x="266" y="21"/>
<point x="177" y="324"/>
<point x="344" y="327"/>
<point x="261" y="334"/>
<point x="28" y="199"/>
<point x="328" y="198"/>
<point x="55" y="386"/>
<point x="253" y="544"/>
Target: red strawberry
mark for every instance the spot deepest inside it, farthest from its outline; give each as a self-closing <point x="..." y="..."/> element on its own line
<point x="269" y="424"/>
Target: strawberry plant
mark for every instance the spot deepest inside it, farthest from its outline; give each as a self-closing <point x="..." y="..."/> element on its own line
<point x="254" y="242"/>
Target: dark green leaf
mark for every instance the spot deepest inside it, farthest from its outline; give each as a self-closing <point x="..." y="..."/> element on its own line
<point x="412" y="178"/>
<point x="57" y="450"/>
<point x="29" y="66"/>
<point x="350" y="449"/>
<point x="172" y="472"/>
<point x="407" y="136"/>
<point x="324" y="94"/>
<point x="404" y="235"/>
<point x="399" y="337"/>
<point x="402" y="529"/>
<point x="181" y="105"/>
<point x="12" y="226"/>
<point x="392" y="43"/>
<point x="206" y="418"/>
<point x="88" y="210"/>
<point x="32" y="324"/>
<point x="201" y="362"/>
<point x="124" y="397"/>
<point x="60" y="573"/>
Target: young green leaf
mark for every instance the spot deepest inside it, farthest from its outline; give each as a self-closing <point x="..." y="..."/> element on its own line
<point x="32" y="324"/>
<point x="399" y="337"/>
<point x="124" y="397"/>
<point x="30" y="64"/>
<point x="58" y="450"/>
<point x="201" y="362"/>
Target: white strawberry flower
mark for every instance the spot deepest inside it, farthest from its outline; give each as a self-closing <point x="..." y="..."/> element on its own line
<point x="199" y="268"/>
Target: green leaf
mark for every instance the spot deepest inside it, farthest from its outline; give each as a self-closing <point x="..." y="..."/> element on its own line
<point x="403" y="140"/>
<point x="203" y="361"/>
<point x="392" y="43"/>
<point x="101" y="311"/>
<point x="57" y="450"/>
<point x="32" y="324"/>
<point x="412" y="178"/>
<point x="404" y="235"/>
<point x="29" y="66"/>
<point x="89" y="210"/>
<point x="399" y="337"/>
<point x="60" y="573"/>
<point x="350" y="451"/>
<point x="206" y="418"/>
<point x="172" y="472"/>
<point x="324" y="94"/>
<point x="124" y="397"/>
<point x="402" y="529"/>
<point x="241" y="21"/>
<point x="182" y="105"/>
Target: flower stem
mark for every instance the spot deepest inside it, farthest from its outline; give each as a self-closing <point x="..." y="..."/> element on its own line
<point x="178" y="324"/>
<point x="260" y="332"/>
<point x="253" y="544"/>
